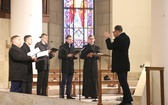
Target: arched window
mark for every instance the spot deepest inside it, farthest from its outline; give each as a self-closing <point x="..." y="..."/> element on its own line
<point x="78" y="20"/>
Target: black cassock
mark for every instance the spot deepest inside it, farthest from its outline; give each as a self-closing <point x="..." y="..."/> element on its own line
<point x="90" y="71"/>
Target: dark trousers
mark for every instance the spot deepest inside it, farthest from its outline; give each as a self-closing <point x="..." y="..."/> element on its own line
<point x="122" y="77"/>
<point x="42" y="82"/>
<point x="66" y="80"/>
<point x="27" y="87"/>
<point x="16" y="86"/>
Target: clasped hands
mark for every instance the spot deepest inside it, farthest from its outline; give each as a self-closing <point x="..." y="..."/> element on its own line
<point x="70" y="55"/>
<point x="91" y="54"/>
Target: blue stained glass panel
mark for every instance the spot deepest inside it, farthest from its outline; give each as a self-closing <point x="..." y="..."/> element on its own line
<point x="90" y="31"/>
<point x="88" y="3"/>
<point x="68" y="31"/>
<point x="68" y="3"/>
<point x="89" y="19"/>
<point x="68" y="17"/>
<point x="78" y="38"/>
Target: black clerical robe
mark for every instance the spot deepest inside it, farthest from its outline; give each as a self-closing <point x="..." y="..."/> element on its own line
<point x="90" y="70"/>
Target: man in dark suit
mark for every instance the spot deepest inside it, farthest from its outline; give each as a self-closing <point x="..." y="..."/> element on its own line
<point x="66" y="54"/>
<point x="27" y="86"/>
<point x="120" y="60"/>
<point x="90" y="68"/>
<point x="17" y="68"/>
<point x="42" y="65"/>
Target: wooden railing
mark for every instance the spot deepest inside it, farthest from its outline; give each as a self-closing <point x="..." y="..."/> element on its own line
<point x="139" y="96"/>
<point x="161" y="70"/>
<point x="100" y="81"/>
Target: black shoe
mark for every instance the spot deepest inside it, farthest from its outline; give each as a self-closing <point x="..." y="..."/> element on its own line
<point x="61" y="96"/>
<point x="93" y="97"/>
<point x="86" y="97"/>
<point x="69" y="97"/>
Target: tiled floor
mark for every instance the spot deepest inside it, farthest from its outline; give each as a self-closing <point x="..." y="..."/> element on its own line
<point x="107" y="99"/>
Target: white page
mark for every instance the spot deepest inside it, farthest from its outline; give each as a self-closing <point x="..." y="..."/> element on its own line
<point x="42" y="53"/>
<point x="33" y="52"/>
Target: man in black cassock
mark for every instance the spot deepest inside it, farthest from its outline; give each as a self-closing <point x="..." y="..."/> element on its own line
<point x="90" y="68"/>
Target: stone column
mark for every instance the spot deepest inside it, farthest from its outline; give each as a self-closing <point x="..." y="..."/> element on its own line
<point x="103" y="23"/>
<point x="55" y="29"/>
<point x="159" y="49"/>
<point x="26" y="19"/>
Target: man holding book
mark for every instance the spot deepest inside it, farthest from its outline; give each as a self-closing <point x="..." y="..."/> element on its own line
<point x="67" y="54"/>
<point x="90" y="68"/>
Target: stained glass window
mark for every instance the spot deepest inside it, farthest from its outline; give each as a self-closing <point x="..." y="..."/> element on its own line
<point x="78" y="20"/>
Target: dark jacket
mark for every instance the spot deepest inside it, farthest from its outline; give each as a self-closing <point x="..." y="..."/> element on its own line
<point x="120" y="58"/>
<point x="67" y="62"/>
<point x="26" y="49"/>
<point x="42" y="63"/>
<point x="17" y="68"/>
<point x="90" y="63"/>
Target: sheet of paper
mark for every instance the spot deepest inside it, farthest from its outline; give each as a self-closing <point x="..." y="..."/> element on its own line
<point x="33" y="52"/>
<point x="42" y="53"/>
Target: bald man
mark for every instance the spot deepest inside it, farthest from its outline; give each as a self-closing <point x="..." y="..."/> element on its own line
<point x="17" y="68"/>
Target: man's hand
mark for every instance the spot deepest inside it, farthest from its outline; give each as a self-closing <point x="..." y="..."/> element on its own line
<point x="70" y="55"/>
<point x="34" y="59"/>
<point x="49" y="51"/>
<point x="53" y="53"/>
<point x="76" y="55"/>
<point x="106" y="34"/>
<point x="90" y="55"/>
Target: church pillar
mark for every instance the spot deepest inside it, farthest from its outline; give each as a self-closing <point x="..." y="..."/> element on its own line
<point x="159" y="48"/>
<point x="26" y="18"/>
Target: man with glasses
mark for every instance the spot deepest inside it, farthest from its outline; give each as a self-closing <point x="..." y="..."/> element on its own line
<point x="120" y="60"/>
<point x="90" y="68"/>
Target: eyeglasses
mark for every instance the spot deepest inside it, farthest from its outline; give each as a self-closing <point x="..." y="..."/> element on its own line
<point x="115" y="31"/>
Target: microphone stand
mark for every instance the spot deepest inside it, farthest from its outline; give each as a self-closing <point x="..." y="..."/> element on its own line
<point x="59" y="78"/>
<point x="79" y="77"/>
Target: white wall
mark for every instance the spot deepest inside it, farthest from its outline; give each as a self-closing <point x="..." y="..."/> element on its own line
<point x="159" y="48"/>
<point x="134" y="16"/>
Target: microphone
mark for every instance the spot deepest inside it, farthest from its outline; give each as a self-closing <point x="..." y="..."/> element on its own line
<point x="55" y="44"/>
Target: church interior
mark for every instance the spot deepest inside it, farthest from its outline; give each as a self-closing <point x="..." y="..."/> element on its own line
<point x="145" y="22"/>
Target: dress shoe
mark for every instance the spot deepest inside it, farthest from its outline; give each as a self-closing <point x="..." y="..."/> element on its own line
<point x="86" y="97"/>
<point x="69" y="97"/>
<point x="93" y="97"/>
<point x="61" y="96"/>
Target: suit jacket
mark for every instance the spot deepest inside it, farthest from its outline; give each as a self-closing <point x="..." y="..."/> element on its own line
<point x="120" y="58"/>
<point x="42" y="63"/>
<point x="26" y="49"/>
<point x="17" y="68"/>
<point x="67" y="62"/>
<point x="90" y="63"/>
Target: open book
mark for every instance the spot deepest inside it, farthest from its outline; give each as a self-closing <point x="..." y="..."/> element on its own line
<point x="42" y="53"/>
<point x="33" y="52"/>
<point x="76" y="52"/>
